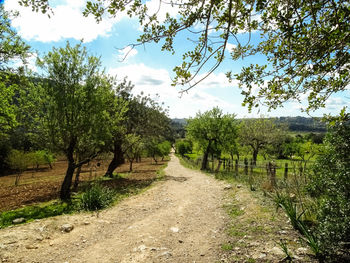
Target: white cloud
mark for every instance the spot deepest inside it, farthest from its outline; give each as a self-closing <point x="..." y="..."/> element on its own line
<point x="230" y="47"/>
<point x="66" y="22"/>
<point x="161" y="9"/>
<point x="214" y="81"/>
<point x="157" y="83"/>
<point x="30" y="62"/>
<point x="126" y="53"/>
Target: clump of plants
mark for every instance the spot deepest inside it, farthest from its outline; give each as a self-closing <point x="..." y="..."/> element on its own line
<point x="96" y="197"/>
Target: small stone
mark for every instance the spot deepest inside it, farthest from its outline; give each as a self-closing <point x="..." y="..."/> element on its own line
<point x="292" y="196"/>
<point x="18" y="220"/>
<point x="67" y="228"/>
<point x="9" y="242"/>
<point x="2" y="246"/>
<point x="174" y="229"/>
<point x="254" y="244"/>
<point x="166" y="254"/>
<point x="31" y="247"/>
<point x="239" y="186"/>
<point x="142" y="247"/>
<point x="180" y="241"/>
<point x="51" y="244"/>
<point x="277" y="251"/>
<point x="86" y="223"/>
<point x="39" y="238"/>
<point x="302" y="251"/>
<point x="259" y="256"/>
<point x="228" y="187"/>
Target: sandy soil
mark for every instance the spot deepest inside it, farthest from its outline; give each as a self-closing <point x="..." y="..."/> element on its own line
<point x="180" y="219"/>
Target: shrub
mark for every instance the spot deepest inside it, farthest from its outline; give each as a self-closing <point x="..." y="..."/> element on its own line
<point x="183" y="147"/>
<point x="331" y="187"/>
<point x="96" y="197"/>
<point x="18" y="161"/>
<point x="43" y="157"/>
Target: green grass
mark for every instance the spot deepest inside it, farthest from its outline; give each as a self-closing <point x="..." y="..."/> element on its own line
<point x="233" y="210"/>
<point x="226" y="247"/>
<point x="30" y="213"/>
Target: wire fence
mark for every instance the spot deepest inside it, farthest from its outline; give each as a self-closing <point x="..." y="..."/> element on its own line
<point x="267" y="175"/>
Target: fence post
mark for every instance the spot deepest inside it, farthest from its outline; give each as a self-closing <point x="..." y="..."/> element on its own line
<point x="219" y="165"/>
<point x="285" y="172"/>
<point x="251" y="167"/>
<point x="245" y="166"/>
<point x="272" y="171"/>
<point x="236" y="168"/>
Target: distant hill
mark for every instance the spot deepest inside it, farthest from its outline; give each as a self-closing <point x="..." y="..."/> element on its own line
<point x="295" y="124"/>
<point x="303" y="124"/>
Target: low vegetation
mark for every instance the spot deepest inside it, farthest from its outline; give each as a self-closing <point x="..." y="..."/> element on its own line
<point x="307" y="179"/>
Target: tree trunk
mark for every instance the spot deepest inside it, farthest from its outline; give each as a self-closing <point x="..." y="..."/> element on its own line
<point x="76" y="181"/>
<point x="155" y="159"/>
<point x="67" y="182"/>
<point x="255" y="156"/>
<point x="118" y="158"/>
<point x="205" y="158"/>
<point x="130" y="165"/>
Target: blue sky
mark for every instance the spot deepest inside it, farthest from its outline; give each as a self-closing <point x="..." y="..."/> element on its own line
<point x="148" y="68"/>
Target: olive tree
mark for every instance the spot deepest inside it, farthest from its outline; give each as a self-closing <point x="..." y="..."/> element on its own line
<point x="257" y="134"/>
<point x="143" y="117"/>
<point x="212" y="130"/>
<point x="11" y="47"/>
<point x="73" y="99"/>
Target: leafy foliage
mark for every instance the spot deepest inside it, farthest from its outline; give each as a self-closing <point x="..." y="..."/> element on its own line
<point x="96" y="197"/>
<point x="72" y="101"/>
<point x="212" y="130"/>
<point x="259" y="133"/>
<point x="183" y="146"/>
<point x="331" y="186"/>
<point x="11" y="45"/>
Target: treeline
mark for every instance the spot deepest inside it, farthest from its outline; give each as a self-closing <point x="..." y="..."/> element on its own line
<point x="294" y="124"/>
<point x="72" y="108"/>
<point x="315" y="199"/>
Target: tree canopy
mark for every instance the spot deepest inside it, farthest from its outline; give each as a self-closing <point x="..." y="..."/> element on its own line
<point x="72" y="105"/>
<point x="11" y="47"/>
<point x="212" y="130"/>
<point x="258" y="134"/>
<point x="306" y="43"/>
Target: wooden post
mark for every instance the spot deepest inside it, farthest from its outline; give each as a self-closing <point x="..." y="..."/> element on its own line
<point x="285" y="172"/>
<point x="212" y="165"/>
<point x="245" y="166"/>
<point x="272" y="172"/>
<point x="219" y="165"/>
<point x="251" y="167"/>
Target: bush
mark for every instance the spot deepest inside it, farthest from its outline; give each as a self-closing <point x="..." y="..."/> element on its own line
<point x="331" y="187"/>
<point x="43" y="157"/>
<point x="96" y="197"/>
<point x="183" y="147"/>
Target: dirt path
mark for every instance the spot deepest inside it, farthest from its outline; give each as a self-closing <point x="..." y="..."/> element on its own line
<point x="181" y="219"/>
